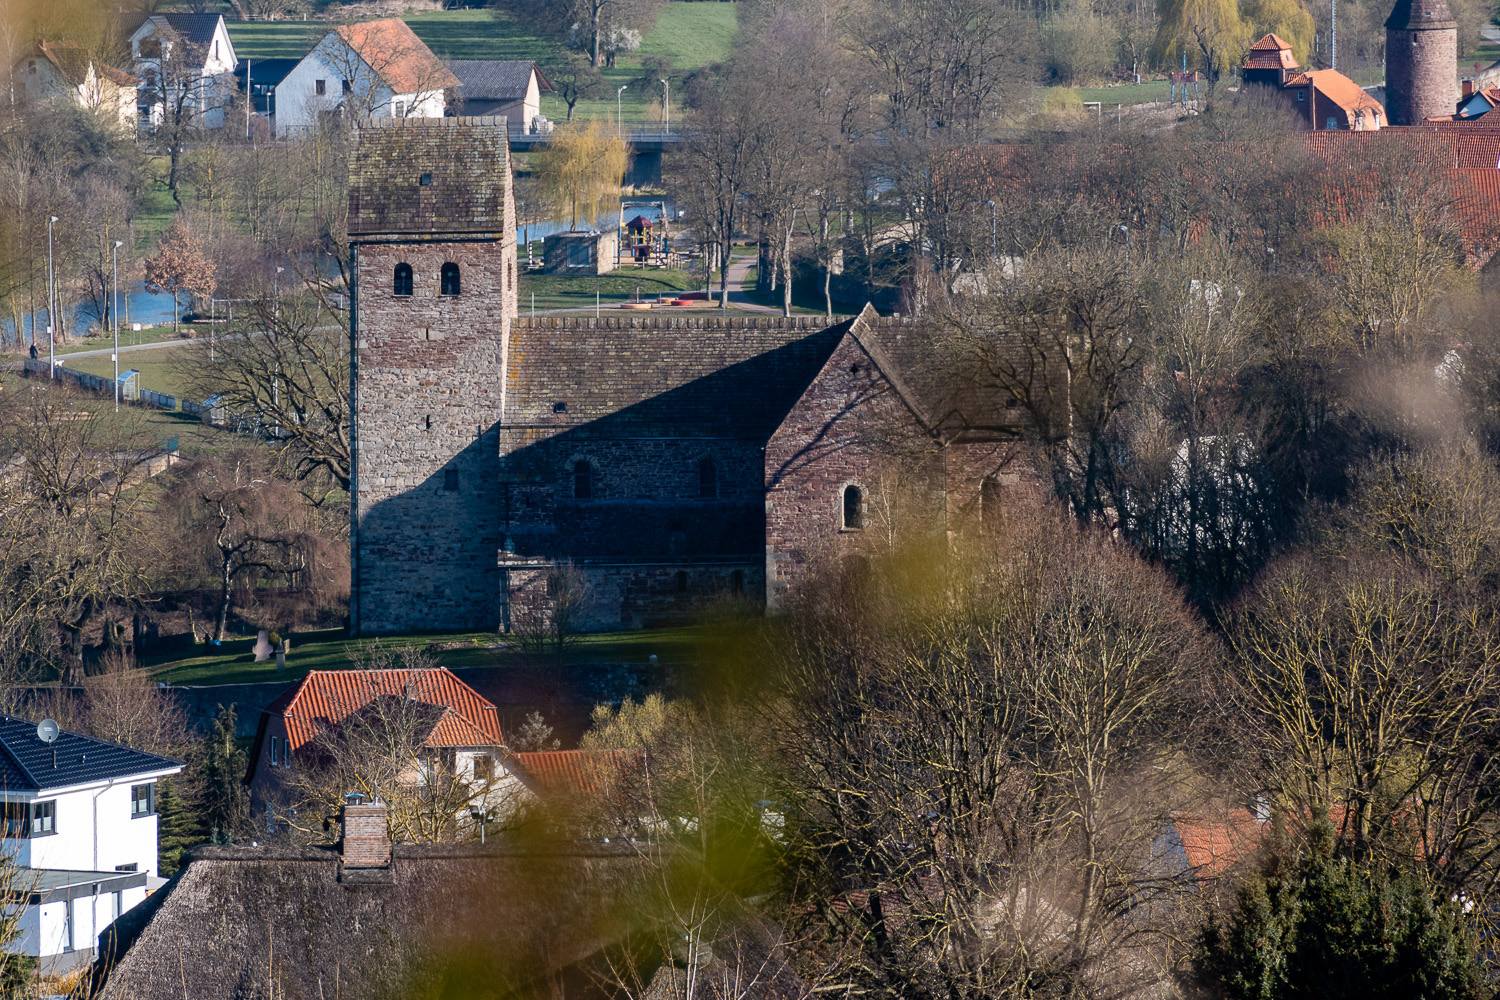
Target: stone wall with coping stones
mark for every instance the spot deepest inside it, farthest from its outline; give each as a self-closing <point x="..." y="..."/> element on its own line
<point x="1421" y="75"/>
<point x="429" y="374"/>
<point x="631" y="596"/>
<point x="849" y="427"/>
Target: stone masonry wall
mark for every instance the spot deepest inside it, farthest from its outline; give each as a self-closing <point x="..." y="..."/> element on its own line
<point x="631" y="595"/>
<point x="849" y="428"/>
<point x="1421" y="75"/>
<point x="429" y="372"/>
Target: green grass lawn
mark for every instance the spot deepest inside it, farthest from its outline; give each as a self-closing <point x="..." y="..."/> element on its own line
<point x="689" y="34"/>
<point x="233" y="663"/>
<point x="557" y="291"/>
<point x="161" y="370"/>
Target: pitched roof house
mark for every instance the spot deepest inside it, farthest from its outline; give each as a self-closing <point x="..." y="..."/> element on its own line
<point x="70" y="71"/>
<point x="79" y="818"/>
<point x="448" y="716"/>
<point x="187" y="54"/>
<point x="1326" y="99"/>
<point x="365" y="71"/>
<point x="510" y="89"/>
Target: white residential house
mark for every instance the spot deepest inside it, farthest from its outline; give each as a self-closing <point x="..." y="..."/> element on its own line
<point x="188" y="55"/>
<point x="79" y="818"/>
<point x="502" y="88"/>
<point x="68" y="71"/>
<point x="375" y="69"/>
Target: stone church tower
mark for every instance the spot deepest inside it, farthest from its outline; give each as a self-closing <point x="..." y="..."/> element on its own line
<point x="1421" y="61"/>
<point x="432" y="240"/>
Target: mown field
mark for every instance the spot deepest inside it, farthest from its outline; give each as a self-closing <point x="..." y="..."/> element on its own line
<point x="689" y="34"/>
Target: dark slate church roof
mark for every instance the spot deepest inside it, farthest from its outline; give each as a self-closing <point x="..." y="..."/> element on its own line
<point x="465" y="164"/>
<point x="27" y="764"/>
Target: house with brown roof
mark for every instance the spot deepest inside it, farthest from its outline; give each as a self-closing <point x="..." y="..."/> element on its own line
<point x="366" y="71"/>
<point x="457" y="727"/>
<point x="1324" y="98"/>
<point x="68" y="71"/>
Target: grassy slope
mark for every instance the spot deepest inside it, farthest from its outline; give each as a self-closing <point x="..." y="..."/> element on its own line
<point x="329" y="650"/>
<point x="690" y="34"/>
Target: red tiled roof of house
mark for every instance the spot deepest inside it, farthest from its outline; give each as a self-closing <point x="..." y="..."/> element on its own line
<point x="72" y="61"/>
<point x="393" y="51"/>
<point x="1271" y="52"/>
<point x="1339" y="89"/>
<point x="1215" y="844"/>
<point x="577" y="772"/>
<point x="325" y="698"/>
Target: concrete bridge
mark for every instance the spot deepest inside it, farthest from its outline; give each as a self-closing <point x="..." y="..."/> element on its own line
<point x="645" y="152"/>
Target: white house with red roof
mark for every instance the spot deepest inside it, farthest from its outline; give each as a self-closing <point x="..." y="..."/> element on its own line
<point x="374" y="69"/>
<point x="67" y="70"/>
<point x="461" y="727"/>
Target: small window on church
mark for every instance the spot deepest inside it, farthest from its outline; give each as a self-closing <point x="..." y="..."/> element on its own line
<point x="425" y="180"/>
<point x="708" y="479"/>
<point x="402" y="284"/>
<point x="989" y="503"/>
<point x="583" y="481"/>
<point x="561" y="406"/>
<point x="854" y="508"/>
<point x="682" y="581"/>
<point x="450" y="479"/>
<point x="450" y="279"/>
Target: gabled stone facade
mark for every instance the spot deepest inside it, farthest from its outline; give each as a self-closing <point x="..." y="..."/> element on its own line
<point x="634" y="468"/>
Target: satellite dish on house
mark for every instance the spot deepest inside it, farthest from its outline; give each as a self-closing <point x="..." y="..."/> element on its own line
<point x="47" y="730"/>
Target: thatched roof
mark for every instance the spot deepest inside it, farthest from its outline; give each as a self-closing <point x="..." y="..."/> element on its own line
<point x="464" y="920"/>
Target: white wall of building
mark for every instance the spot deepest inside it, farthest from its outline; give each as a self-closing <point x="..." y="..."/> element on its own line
<point x="215" y="84"/>
<point x="298" y="103"/>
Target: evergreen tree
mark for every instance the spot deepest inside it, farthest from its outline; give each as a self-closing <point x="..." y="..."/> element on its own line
<point x="178" y="829"/>
<point x="225" y="805"/>
<point x="1331" y="928"/>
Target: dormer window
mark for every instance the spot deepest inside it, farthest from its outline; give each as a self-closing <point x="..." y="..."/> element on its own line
<point x="402" y="285"/>
<point x="449" y="284"/>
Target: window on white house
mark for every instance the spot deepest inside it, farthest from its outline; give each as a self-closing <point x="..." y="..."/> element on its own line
<point x="43" y="819"/>
<point x="216" y="48"/>
<point x="320" y="87"/>
<point x="275" y="748"/>
<point x="484" y="767"/>
<point x="286" y="753"/>
<point x="348" y="87"/>
<point x="68" y="926"/>
<point x="142" y="800"/>
<point x="398" y="110"/>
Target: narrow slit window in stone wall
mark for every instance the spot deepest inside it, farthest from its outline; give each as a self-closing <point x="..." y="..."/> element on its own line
<point x="708" y="479"/>
<point x="583" y="481"/>
<point x="682" y="581"/>
<point x="737" y="582"/>
<point x="989" y="503"/>
<point x="450" y="479"/>
<point x="403" y="279"/>
<point x="450" y="279"/>
<point x="854" y="508"/>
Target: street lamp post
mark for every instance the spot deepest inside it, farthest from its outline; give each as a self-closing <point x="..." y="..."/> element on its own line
<point x="666" y="104"/>
<point x="114" y="312"/>
<point x="51" y="306"/>
<point x="994" y="231"/>
<point x="619" y="118"/>
<point x="275" y="332"/>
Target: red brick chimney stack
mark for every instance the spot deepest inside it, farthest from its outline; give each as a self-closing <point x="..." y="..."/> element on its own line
<point x="367" y="842"/>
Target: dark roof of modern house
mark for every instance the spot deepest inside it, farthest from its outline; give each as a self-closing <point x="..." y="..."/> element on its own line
<point x="27" y="765"/>
<point x="497" y="79"/>
<point x="195" y="29"/>
<point x="268" y="72"/>
<point x="465" y="162"/>
<point x="1420" y="15"/>
<point x="474" y="920"/>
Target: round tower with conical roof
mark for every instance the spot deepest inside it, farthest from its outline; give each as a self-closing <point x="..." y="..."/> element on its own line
<point x="1421" y="61"/>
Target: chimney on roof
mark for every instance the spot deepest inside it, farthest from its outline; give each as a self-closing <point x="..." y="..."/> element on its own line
<point x="1468" y="90"/>
<point x="366" y="840"/>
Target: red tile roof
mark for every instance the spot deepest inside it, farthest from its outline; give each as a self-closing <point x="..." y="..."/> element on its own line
<point x="325" y="698"/>
<point x="1341" y="90"/>
<point x="393" y="51"/>
<point x="577" y="772"/>
<point x="1271" y="52"/>
<point x="1215" y="844"/>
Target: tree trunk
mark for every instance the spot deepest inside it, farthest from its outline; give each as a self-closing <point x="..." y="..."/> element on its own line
<point x="226" y="580"/>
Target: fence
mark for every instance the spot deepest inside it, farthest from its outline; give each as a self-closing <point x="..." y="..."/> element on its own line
<point x="211" y="411"/>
